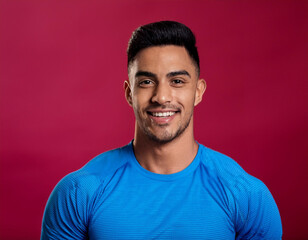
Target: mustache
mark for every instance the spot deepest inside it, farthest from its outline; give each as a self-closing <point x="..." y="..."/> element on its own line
<point x="163" y="106"/>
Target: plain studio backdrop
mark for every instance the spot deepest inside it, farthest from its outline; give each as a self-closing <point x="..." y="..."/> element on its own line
<point x="62" y="68"/>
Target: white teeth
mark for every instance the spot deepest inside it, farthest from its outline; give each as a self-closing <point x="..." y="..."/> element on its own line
<point x="163" y="114"/>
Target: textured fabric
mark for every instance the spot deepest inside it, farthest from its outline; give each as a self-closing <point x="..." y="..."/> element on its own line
<point x="113" y="197"/>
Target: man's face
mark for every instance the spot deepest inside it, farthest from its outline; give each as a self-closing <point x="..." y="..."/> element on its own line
<point x="163" y="89"/>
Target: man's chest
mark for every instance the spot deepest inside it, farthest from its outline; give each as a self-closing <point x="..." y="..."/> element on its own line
<point x="160" y="210"/>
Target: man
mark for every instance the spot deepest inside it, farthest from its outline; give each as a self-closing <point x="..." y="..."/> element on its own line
<point x="162" y="185"/>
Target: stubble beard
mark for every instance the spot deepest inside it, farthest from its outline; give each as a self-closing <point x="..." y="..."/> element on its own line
<point x="166" y="136"/>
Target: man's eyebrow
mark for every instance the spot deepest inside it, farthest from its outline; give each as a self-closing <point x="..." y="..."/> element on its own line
<point x="176" y="73"/>
<point x="145" y="74"/>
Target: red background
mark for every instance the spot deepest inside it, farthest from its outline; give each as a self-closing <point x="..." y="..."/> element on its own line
<point x="63" y="64"/>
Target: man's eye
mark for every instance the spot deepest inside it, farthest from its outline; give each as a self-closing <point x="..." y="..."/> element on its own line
<point x="177" y="81"/>
<point x="145" y="82"/>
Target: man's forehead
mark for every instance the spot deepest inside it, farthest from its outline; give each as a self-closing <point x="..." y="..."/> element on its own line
<point x="169" y="74"/>
<point x="169" y="58"/>
<point x="165" y="51"/>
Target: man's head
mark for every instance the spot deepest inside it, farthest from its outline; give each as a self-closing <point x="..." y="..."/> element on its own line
<point x="164" y="85"/>
<point x="161" y="34"/>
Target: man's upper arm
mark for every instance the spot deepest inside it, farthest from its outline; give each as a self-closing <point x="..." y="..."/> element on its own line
<point x="258" y="215"/>
<point x="66" y="212"/>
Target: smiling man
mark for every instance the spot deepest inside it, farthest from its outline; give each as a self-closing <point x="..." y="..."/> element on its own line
<point x="163" y="90"/>
<point x="162" y="185"/>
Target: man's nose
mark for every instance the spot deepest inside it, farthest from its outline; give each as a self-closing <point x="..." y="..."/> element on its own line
<point x="162" y="93"/>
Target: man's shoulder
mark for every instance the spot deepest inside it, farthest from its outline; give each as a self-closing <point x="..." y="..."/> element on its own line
<point x="250" y="201"/>
<point x="108" y="162"/>
<point x="220" y="162"/>
<point x="228" y="171"/>
<point x="98" y="170"/>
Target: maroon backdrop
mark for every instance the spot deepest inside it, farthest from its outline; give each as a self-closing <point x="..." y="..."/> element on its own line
<point x="62" y="69"/>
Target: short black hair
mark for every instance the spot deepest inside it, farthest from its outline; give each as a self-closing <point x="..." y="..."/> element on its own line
<point x="160" y="34"/>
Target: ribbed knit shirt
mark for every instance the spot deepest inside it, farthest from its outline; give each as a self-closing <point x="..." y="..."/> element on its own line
<point x="114" y="197"/>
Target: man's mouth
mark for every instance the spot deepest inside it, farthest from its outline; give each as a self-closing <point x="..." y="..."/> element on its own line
<point x="162" y="117"/>
<point x="162" y="114"/>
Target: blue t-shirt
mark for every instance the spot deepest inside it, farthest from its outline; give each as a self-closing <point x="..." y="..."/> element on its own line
<point x="114" y="197"/>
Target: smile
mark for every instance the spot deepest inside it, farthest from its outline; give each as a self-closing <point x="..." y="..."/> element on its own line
<point x="161" y="114"/>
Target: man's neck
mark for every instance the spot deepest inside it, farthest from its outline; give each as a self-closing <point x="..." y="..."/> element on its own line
<point x="165" y="158"/>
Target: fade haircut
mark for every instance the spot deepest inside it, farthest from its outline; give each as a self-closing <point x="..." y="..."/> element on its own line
<point x="161" y="34"/>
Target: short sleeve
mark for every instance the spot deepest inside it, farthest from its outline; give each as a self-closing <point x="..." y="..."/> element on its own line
<point x="66" y="211"/>
<point x="257" y="216"/>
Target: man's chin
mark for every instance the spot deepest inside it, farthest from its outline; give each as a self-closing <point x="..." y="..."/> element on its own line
<point x="161" y="140"/>
<point x="164" y="137"/>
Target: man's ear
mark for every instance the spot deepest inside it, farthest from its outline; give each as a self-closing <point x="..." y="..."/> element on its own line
<point x="128" y="92"/>
<point x="201" y="87"/>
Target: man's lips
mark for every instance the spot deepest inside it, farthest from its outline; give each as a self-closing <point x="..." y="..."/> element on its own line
<point x="162" y="116"/>
<point x="165" y="113"/>
<point x="162" y="112"/>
